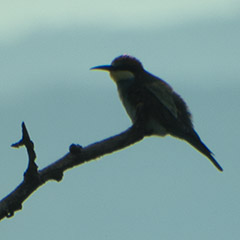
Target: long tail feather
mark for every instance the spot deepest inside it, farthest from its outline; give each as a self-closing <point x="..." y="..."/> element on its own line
<point x="196" y="142"/>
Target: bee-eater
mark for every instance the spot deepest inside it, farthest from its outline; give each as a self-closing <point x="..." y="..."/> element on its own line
<point x="165" y="112"/>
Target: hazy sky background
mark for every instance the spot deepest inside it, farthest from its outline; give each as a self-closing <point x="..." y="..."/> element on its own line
<point x="160" y="188"/>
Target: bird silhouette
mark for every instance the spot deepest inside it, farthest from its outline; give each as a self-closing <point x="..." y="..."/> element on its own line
<point x="165" y="112"/>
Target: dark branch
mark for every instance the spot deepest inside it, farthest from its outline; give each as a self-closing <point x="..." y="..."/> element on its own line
<point x="77" y="155"/>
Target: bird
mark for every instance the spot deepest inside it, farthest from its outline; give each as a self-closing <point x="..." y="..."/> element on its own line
<point x="165" y="112"/>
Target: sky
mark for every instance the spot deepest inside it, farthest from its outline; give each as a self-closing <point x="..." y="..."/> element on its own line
<point x="159" y="188"/>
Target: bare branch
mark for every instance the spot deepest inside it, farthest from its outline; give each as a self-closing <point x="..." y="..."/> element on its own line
<point x="77" y="155"/>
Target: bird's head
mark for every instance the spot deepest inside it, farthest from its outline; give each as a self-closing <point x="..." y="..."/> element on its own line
<point x="123" y="67"/>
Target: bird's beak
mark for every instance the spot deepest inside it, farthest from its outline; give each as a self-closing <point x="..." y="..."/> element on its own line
<point x="103" y="67"/>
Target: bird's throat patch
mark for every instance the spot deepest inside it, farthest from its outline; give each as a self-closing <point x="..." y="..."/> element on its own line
<point x="121" y="75"/>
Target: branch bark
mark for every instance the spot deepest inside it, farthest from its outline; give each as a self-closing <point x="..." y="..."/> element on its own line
<point x="77" y="155"/>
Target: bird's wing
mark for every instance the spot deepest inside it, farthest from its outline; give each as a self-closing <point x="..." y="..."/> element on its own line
<point x="164" y="94"/>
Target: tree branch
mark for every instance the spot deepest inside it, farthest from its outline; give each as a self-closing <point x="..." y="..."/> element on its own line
<point x="77" y="155"/>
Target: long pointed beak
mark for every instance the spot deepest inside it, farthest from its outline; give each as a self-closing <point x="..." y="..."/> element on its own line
<point x="103" y="67"/>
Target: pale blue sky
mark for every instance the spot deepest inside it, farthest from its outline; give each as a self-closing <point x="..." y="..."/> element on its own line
<point x="160" y="188"/>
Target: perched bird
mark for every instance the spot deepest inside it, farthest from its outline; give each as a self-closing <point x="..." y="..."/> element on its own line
<point x="165" y="112"/>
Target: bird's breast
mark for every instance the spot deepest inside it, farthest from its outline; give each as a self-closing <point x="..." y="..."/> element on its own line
<point x="131" y="96"/>
<point x="124" y="91"/>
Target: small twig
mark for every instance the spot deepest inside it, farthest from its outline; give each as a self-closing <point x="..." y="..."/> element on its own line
<point x="32" y="170"/>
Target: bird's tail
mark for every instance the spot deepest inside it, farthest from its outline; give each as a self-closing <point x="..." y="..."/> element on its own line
<point x="196" y="142"/>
